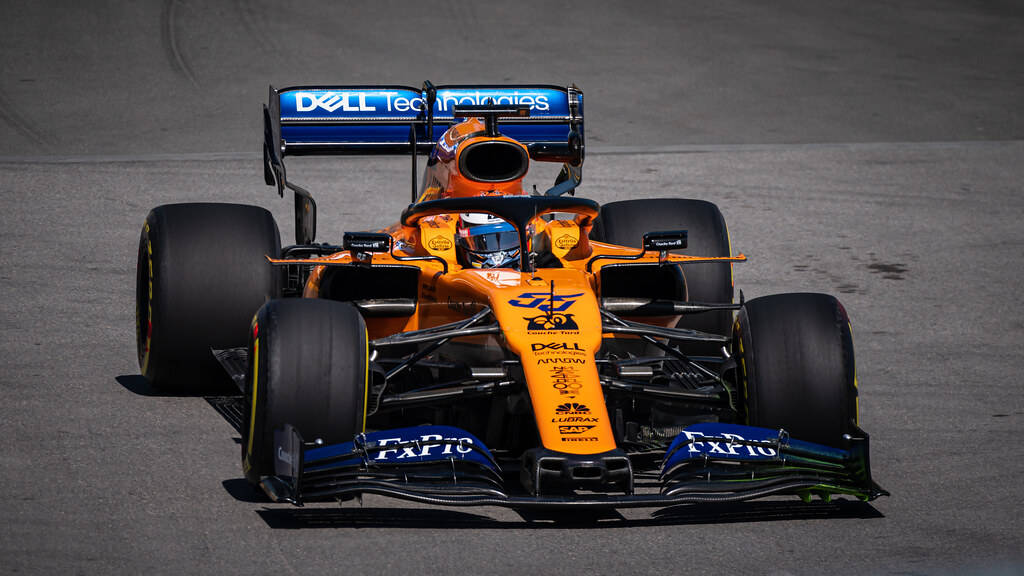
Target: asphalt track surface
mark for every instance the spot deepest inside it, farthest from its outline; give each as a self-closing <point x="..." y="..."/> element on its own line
<point x="870" y="150"/>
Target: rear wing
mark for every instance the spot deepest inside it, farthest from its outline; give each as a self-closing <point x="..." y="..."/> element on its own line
<point x="310" y="120"/>
<point x="361" y="120"/>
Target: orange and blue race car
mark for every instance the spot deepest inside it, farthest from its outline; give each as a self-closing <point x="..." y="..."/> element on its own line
<point x="495" y="346"/>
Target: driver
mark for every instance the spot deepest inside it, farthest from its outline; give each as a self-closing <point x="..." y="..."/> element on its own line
<point x="485" y="241"/>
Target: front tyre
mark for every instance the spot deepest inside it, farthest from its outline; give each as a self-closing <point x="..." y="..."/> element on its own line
<point x="308" y="367"/>
<point x="624" y="223"/>
<point x="795" y="366"/>
<point x="202" y="273"/>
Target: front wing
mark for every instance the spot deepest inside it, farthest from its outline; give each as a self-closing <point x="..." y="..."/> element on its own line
<point x="442" y="465"/>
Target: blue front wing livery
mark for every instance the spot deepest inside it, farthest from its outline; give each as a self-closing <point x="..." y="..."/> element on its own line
<point x="707" y="462"/>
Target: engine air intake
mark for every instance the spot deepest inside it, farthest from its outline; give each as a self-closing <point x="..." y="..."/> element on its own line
<point x="493" y="161"/>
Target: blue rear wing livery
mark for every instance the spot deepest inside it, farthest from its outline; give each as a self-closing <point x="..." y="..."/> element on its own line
<point x="337" y="120"/>
<point x="394" y="119"/>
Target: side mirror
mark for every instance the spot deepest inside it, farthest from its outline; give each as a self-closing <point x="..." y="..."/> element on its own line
<point x="366" y="242"/>
<point x="663" y="241"/>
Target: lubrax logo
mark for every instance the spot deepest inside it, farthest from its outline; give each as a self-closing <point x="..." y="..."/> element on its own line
<point x="567" y="419"/>
<point x="537" y="346"/>
<point x="573" y="429"/>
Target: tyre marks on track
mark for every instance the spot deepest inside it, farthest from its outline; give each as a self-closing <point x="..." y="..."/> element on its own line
<point x="169" y="40"/>
<point x="256" y="25"/>
<point x="23" y="126"/>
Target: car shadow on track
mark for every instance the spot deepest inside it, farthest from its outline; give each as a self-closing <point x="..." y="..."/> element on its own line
<point x="137" y="384"/>
<point x="353" y="516"/>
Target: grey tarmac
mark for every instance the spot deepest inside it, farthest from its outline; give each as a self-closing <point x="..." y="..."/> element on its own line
<point x="871" y="150"/>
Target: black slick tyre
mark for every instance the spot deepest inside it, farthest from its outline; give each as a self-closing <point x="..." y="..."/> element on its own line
<point x="624" y="223"/>
<point x="202" y="274"/>
<point x="308" y="367"/>
<point x="795" y="366"/>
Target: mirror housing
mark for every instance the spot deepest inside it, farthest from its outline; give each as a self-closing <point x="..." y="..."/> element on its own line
<point x="667" y="240"/>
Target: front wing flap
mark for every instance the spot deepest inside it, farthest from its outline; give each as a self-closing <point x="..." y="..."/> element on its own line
<point x="443" y="465"/>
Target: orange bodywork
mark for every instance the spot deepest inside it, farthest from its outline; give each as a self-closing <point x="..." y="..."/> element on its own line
<point x="549" y="318"/>
<point x="445" y="180"/>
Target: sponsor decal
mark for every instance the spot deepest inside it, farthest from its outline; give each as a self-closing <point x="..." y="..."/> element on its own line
<point x="550" y="322"/>
<point x="392" y="101"/>
<point x="449" y="99"/>
<point x="419" y="444"/>
<point x="568" y="419"/>
<point x="545" y="301"/>
<point x="666" y="243"/>
<point x="573" y="429"/>
<point x="331" y="101"/>
<point x="566" y="379"/>
<point x="439" y="243"/>
<point x="538" y="346"/>
<point x="502" y="278"/>
<point x="724" y="448"/>
<point x="572" y="408"/>
<point x="561" y="360"/>
<point x="565" y="242"/>
<point x="584" y="439"/>
<point x="425" y="449"/>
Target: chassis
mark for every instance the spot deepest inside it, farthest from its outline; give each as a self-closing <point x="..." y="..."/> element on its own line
<point x="592" y="373"/>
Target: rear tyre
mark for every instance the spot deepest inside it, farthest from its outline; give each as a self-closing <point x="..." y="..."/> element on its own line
<point x="308" y="367"/>
<point x="202" y="274"/>
<point x="795" y="366"/>
<point x="624" y="223"/>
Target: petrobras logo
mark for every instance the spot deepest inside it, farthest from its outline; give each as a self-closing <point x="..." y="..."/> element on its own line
<point x="410" y="103"/>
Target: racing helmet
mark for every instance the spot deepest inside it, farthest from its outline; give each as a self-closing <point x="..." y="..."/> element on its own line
<point x="485" y="241"/>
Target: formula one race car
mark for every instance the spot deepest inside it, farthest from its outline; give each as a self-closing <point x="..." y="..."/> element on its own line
<point x="494" y="346"/>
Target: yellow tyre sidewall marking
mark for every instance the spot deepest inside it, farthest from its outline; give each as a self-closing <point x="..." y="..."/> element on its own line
<point x="255" y="398"/>
<point x="149" y="303"/>
<point x="743" y="372"/>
